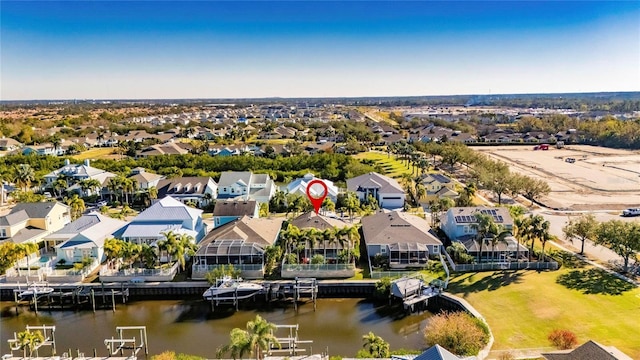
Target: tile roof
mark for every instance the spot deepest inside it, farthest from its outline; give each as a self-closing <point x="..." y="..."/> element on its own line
<point x="311" y="220"/>
<point x="255" y="230"/>
<point x="397" y="227"/>
<point x="235" y="208"/>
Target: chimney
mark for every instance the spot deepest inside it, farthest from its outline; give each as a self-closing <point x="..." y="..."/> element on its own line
<point x="86" y="162"/>
<point x="67" y="162"/>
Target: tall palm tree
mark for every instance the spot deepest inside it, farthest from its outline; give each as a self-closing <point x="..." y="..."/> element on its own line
<point x="238" y="346"/>
<point x="148" y="255"/>
<point x="113" y="185"/>
<point x="482" y="226"/>
<point x="540" y="231"/>
<point x="24" y="176"/>
<point x="90" y="186"/>
<point x="261" y="335"/>
<point x="77" y="206"/>
<point x="59" y="186"/>
<point x="113" y="249"/>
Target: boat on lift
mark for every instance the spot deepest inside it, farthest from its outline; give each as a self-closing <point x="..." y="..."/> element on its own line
<point x="35" y="290"/>
<point x="230" y="288"/>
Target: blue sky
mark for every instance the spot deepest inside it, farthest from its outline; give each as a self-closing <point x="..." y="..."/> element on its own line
<point x="219" y="49"/>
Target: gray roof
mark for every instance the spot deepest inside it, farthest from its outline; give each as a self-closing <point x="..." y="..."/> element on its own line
<point x="590" y="350"/>
<point x="397" y="227"/>
<point x="383" y="183"/>
<point x="14" y="218"/>
<point x="193" y="185"/>
<point x="442" y="179"/>
<point x="93" y="227"/>
<point x="235" y="208"/>
<point x="466" y="215"/>
<point x="168" y="209"/>
<point x="229" y="178"/>
<point x="26" y="234"/>
<point x="39" y="210"/>
<point x="437" y="352"/>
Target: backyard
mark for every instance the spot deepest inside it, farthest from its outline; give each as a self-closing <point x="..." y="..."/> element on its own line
<point x="523" y="307"/>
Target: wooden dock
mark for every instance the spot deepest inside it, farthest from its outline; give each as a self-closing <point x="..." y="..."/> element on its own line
<point x="68" y="298"/>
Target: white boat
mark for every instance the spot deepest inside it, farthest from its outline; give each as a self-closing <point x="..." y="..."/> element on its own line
<point x="35" y="289"/>
<point x="228" y="288"/>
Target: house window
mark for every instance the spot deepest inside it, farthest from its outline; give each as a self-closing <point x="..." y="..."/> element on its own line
<point x="383" y="250"/>
<point x="3" y="233"/>
<point x="224" y="190"/>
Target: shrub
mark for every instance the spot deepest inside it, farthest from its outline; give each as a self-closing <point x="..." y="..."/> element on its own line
<point x="506" y="356"/>
<point x="222" y="271"/>
<point x="457" y="332"/>
<point x="317" y="259"/>
<point x="383" y="288"/>
<point x="563" y="339"/>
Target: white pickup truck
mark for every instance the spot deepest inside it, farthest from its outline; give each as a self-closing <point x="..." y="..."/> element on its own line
<point x="631" y="212"/>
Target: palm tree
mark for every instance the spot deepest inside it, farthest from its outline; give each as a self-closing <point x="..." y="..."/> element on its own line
<point x="77" y="206"/>
<point x="482" y="226"/>
<point x="59" y="185"/>
<point x="90" y="186"/>
<point x="178" y="247"/>
<point x="148" y="255"/>
<point x="24" y="175"/>
<point x="377" y="347"/>
<point x="113" y="185"/>
<point x="113" y="249"/>
<point x="255" y="340"/>
<point x="540" y="231"/>
<point x="30" y="340"/>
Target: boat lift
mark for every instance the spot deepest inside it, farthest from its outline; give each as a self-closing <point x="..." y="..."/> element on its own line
<point x="289" y="344"/>
<point x="48" y="333"/>
<point x="121" y="343"/>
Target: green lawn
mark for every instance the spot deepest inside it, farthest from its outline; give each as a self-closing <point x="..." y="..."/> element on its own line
<point x="392" y="167"/>
<point x="523" y="307"/>
<point x="94" y="153"/>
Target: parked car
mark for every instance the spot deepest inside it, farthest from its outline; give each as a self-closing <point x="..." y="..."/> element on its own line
<point x="570" y="160"/>
<point x="631" y="212"/>
<point x="101" y="203"/>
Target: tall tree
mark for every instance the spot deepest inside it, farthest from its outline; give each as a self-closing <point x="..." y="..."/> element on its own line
<point x="30" y="340"/>
<point x="77" y="206"/>
<point x="256" y="339"/>
<point x="24" y="176"/>
<point x="621" y="237"/>
<point x="582" y="228"/>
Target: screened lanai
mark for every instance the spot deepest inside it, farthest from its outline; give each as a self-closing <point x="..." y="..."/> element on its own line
<point x="408" y="254"/>
<point x="236" y="252"/>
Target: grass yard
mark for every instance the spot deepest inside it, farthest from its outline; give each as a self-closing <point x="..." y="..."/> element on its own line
<point x="392" y="167"/>
<point x="523" y="307"/>
<point x="94" y="153"/>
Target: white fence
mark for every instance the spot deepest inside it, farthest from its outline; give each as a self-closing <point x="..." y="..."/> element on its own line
<point x="552" y="265"/>
<point x="113" y="275"/>
<point x="290" y="271"/>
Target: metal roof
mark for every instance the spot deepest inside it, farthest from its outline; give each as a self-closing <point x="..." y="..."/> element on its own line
<point x="231" y="247"/>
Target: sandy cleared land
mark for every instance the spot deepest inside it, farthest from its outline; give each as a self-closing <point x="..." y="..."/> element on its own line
<point x="600" y="178"/>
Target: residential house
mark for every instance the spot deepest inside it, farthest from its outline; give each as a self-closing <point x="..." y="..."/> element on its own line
<point x="328" y="248"/>
<point x="84" y="237"/>
<point x="436" y="352"/>
<point x="145" y="179"/>
<point x="405" y="240"/>
<point x="9" y="144"/>
<point x="459" y="224"/>
<point x="241" y="243"/>
<point x="299" y="186"/>
<point x="590" y="350"/>
<point x="162" y="149"/>
<point x="232" y="209"/>
<point x="31" y="222"/>
<point x="74" y="173"/>
<point x="387" y="191"/>
<point x="168" y="214"/>
<point x="320" y="147"/>
<point x="439" y="186"/>
<point x="200" y="190"/>
<point x="246" y="185"/>
<point x="43" y="149"/>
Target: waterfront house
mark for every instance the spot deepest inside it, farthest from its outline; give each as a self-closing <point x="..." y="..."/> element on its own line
<point x="405" y="240"/>
<point x="168" y="214"/>
<point x="241" y="243"/>
<point x="299" y="186"/>
<point x="233" y="209"/>
<point x="83" y="237"/>
<point x="31" y="222"/>
<point x="199" y="190"/>
<point x="246" y="185"/>
<point x="459" y="223"/>
<point x="387" y="191"/>
<point x="590" y="350"/>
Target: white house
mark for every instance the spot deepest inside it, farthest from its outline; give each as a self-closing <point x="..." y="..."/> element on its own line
<point x="387" y="191"/>
<point x="84" y="237"/>
<point x="246" y="185"/>
<point x="200" y="190"/>
<point x="299" y="186"/>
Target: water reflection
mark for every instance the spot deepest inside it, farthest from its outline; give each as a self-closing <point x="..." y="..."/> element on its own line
<point x="191" y="327"/>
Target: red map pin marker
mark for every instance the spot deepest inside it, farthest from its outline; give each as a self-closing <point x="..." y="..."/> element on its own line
<point x="315" y="198"/>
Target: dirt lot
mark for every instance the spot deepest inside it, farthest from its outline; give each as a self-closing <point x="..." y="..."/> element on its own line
<point x="599" y="179"/>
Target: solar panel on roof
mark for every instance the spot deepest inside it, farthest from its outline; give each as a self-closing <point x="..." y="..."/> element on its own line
<point x="500" y="218"/>
<point x="457" y="218"/>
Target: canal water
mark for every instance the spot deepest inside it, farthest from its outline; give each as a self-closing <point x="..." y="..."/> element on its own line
<point x="190" y="327"/>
